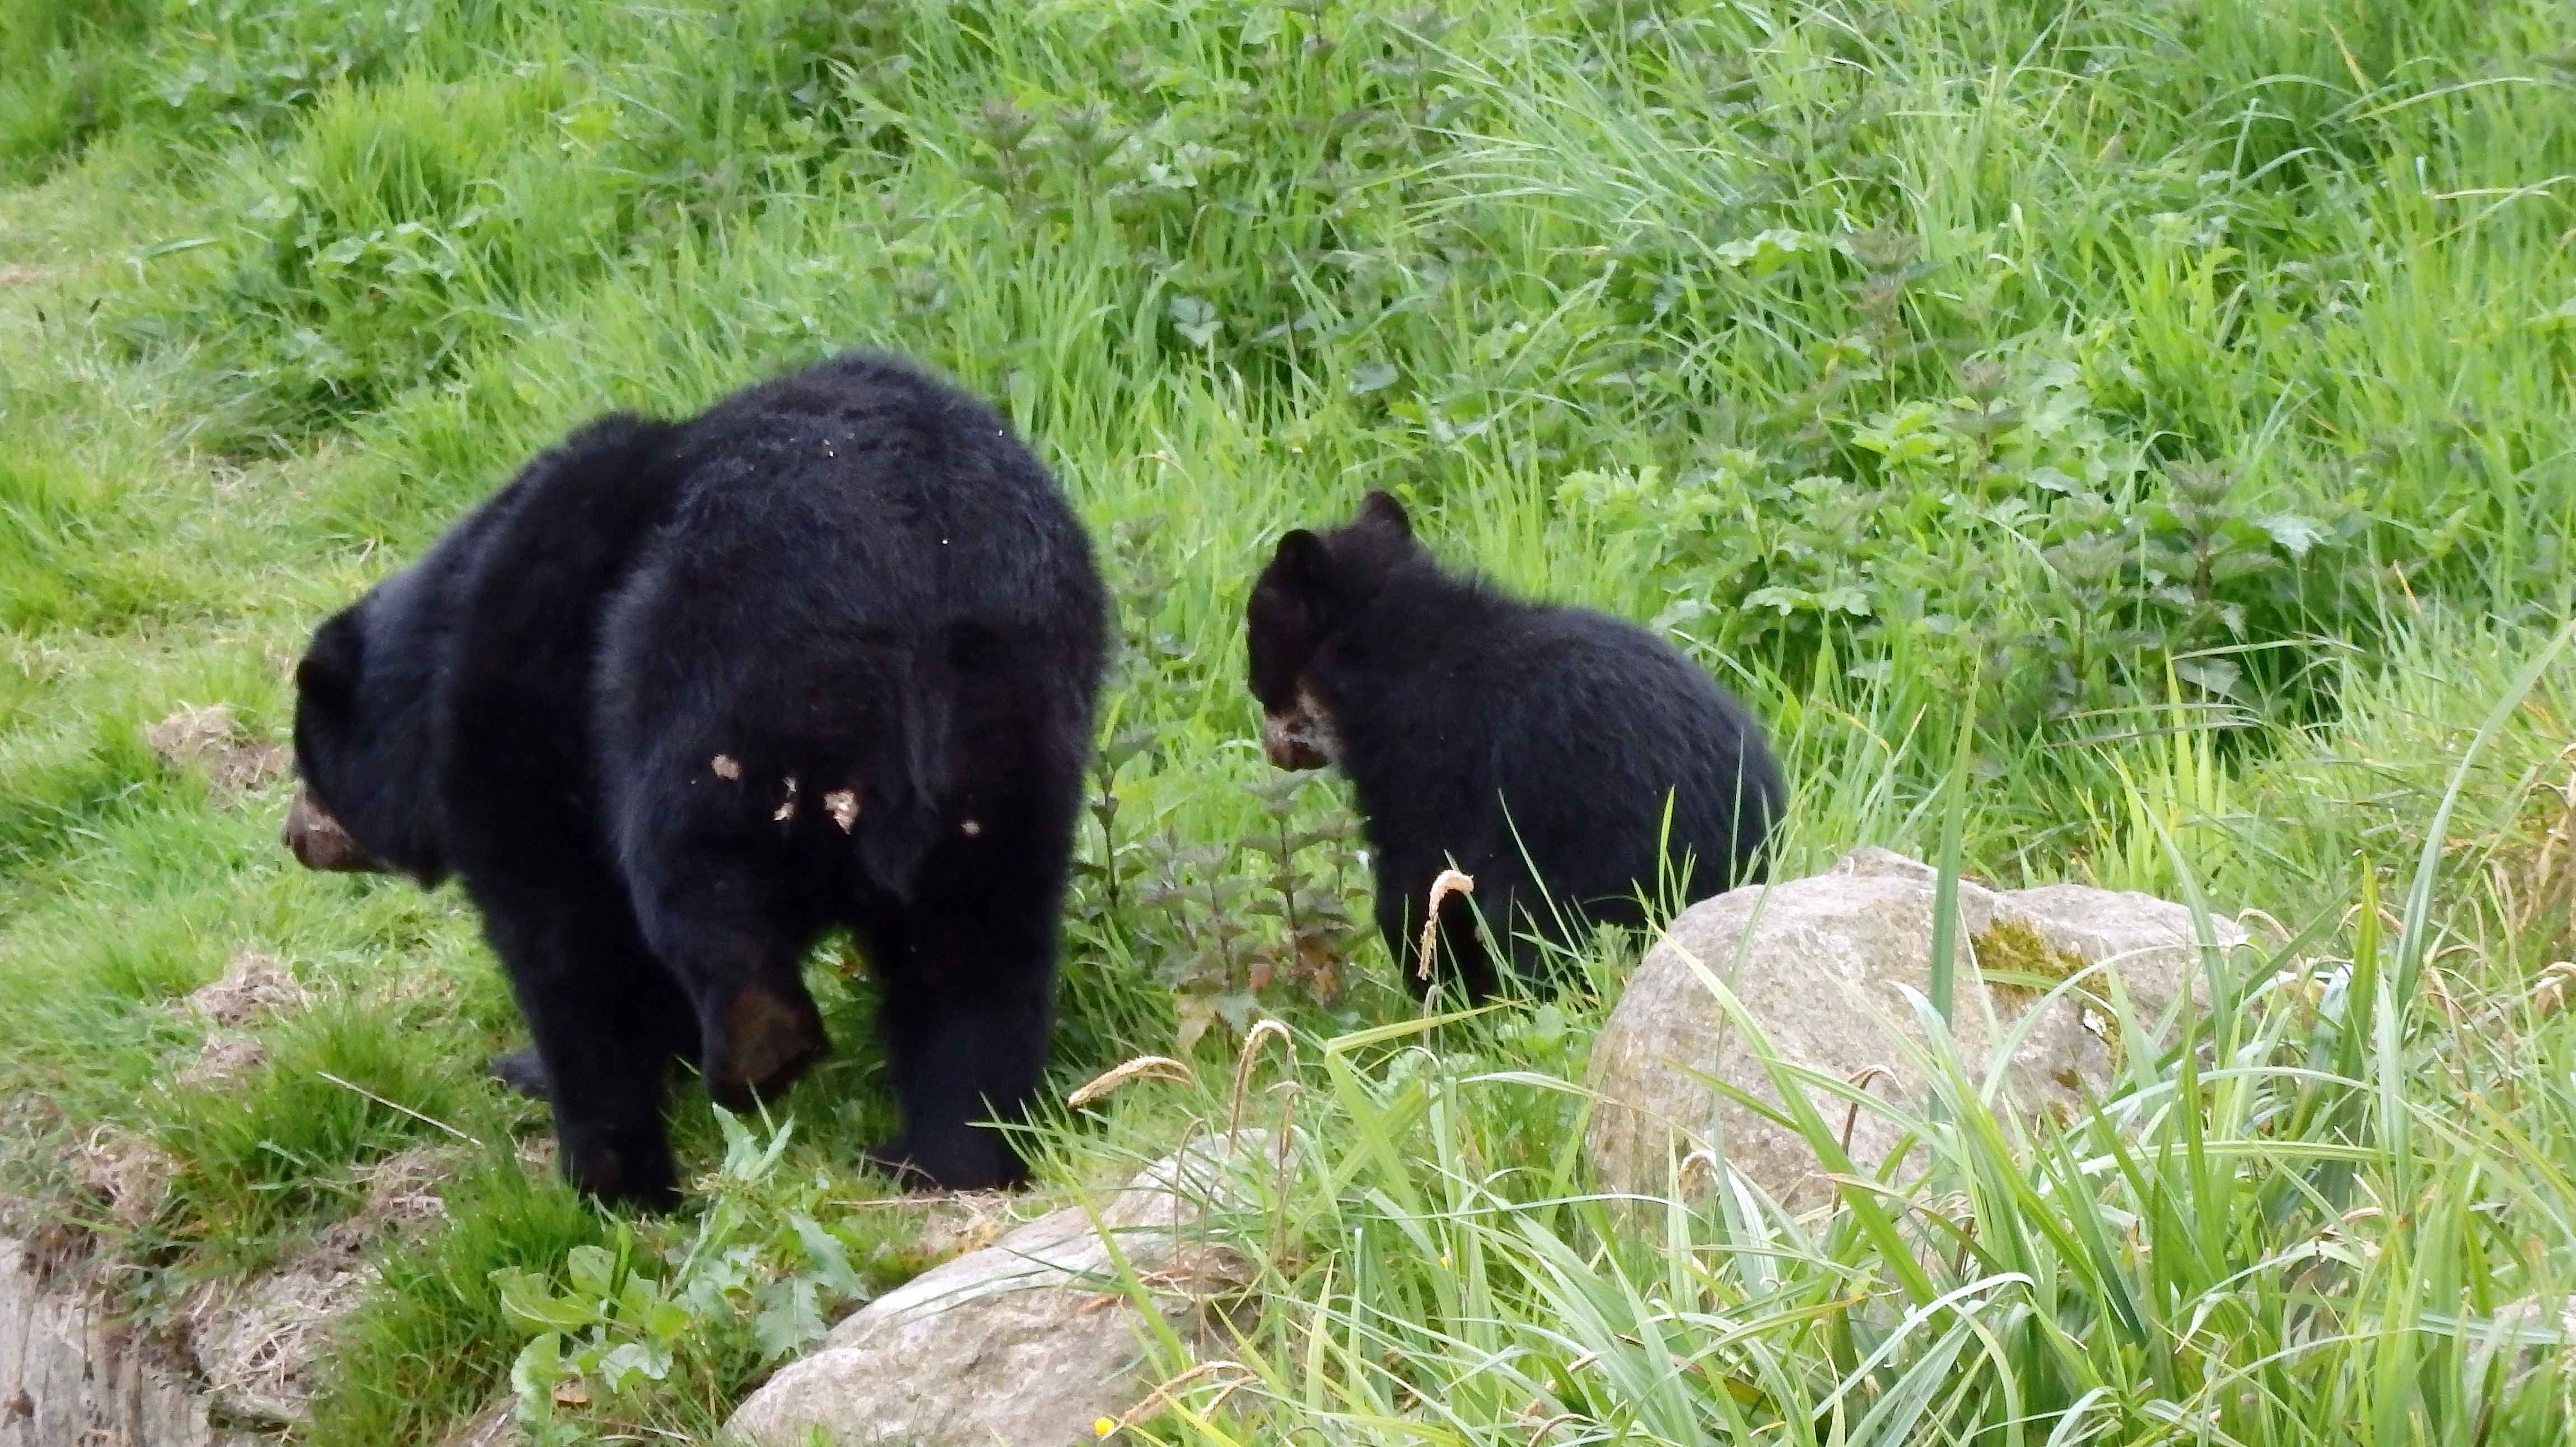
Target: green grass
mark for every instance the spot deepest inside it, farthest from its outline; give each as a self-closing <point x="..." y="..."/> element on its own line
<point x="2171" y="394"/>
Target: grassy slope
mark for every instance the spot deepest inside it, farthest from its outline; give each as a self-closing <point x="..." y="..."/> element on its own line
<point x="1870" y="348"/>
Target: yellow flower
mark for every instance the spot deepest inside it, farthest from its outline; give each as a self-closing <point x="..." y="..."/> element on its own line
<point x="1102" y="1427"/>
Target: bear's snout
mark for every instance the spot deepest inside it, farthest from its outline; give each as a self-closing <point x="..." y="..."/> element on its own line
<point x="1287" y="750"/>
<point x="318" y="842"/>
<point x="1301" y="738"/>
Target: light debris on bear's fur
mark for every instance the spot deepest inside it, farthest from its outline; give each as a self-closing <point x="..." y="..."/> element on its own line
<point x="843" y="806"/>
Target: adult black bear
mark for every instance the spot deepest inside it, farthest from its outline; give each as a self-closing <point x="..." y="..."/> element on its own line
<point x="685" y="695"/>
<point x="1531" y="747"/>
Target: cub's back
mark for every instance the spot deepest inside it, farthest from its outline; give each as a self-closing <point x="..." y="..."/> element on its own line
<point x="1606" y="721"/>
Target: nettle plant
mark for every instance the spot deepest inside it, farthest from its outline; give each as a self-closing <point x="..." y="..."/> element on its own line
<point x="1171" y="151"/>
<point x="2011" y="527"/>
<point x="1261" y="923"/>
<point x="1237" y="942"/>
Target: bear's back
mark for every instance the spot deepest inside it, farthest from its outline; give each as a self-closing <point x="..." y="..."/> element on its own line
<point x="862" y="489"/>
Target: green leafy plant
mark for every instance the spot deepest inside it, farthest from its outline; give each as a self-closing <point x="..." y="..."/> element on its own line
<point x="759" y="1269"/>
<point x="1287" y="933"/>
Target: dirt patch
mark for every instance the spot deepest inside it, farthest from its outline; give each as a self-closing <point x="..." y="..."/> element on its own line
<point x="212" y="740"/>
<point x="967" y="1221"/>
<point x="127" y="1174"/>
<point x="402" y="1192"/>
<point x="227" y="1058"/>
<point x="496" y="1426"/>
<point x="256" y="1343"/>
<point x="539" y="1157"/>
<point x="252" y="986"/>
<point x="259" y="1344"/>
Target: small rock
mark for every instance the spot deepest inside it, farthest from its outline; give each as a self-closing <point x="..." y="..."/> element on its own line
<point x="210" y="738"/>
<point x="1028" y="1340"/>
<point x="253" y="985"/>
<point x="1816" y="963"/>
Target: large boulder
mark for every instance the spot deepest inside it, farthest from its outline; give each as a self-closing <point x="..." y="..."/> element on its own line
<point x="1031" y="1340"/>
<point x="1816" y="964"/>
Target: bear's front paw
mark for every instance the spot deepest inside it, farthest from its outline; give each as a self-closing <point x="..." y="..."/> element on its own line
<point x="983" y="1163"/>
<point x="632" y="1174"/>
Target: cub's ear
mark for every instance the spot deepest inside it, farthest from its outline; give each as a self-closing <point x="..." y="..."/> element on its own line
<point x="1380" y="509"/>
<point x="1302" y="559"/>
<point x="329" y="671"/>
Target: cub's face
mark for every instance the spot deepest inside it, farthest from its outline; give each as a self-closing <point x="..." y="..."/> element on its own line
<point x="1299" y="604"/>
<point x="1280" y="629"/>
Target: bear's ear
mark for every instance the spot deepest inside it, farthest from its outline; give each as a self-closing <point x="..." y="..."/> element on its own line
<point x="328" y="673"/>
<point x="1380" y="509"/>
<point x="1302" y="558"/>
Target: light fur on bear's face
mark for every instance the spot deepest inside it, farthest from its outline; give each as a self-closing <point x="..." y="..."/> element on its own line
<point x="1302" y="737"/>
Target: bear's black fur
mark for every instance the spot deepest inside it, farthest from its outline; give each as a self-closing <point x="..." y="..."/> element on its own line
<point x="1531" y="747"/>
<point x="684" y="696"/>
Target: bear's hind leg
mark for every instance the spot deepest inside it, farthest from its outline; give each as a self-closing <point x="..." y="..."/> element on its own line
<point x="969" y="991"/>
<point x="967" y="967"/>
<point x="724" y="923"/>
<point x="662" y="1014"/>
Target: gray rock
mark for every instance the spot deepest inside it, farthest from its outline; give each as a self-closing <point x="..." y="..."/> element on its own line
<point x="1030" y="1340"/>
<point x="70" y="1373"/>
<point x="1816" y="964"/>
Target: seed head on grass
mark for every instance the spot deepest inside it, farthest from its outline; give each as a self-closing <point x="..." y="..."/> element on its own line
<point x="1450" y="882"/>
<point x="1161" y="1067"/>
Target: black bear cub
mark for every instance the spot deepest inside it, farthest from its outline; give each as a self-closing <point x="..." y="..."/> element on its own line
<point x="1534" y="748"/>
<point x="683" y="696"/>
